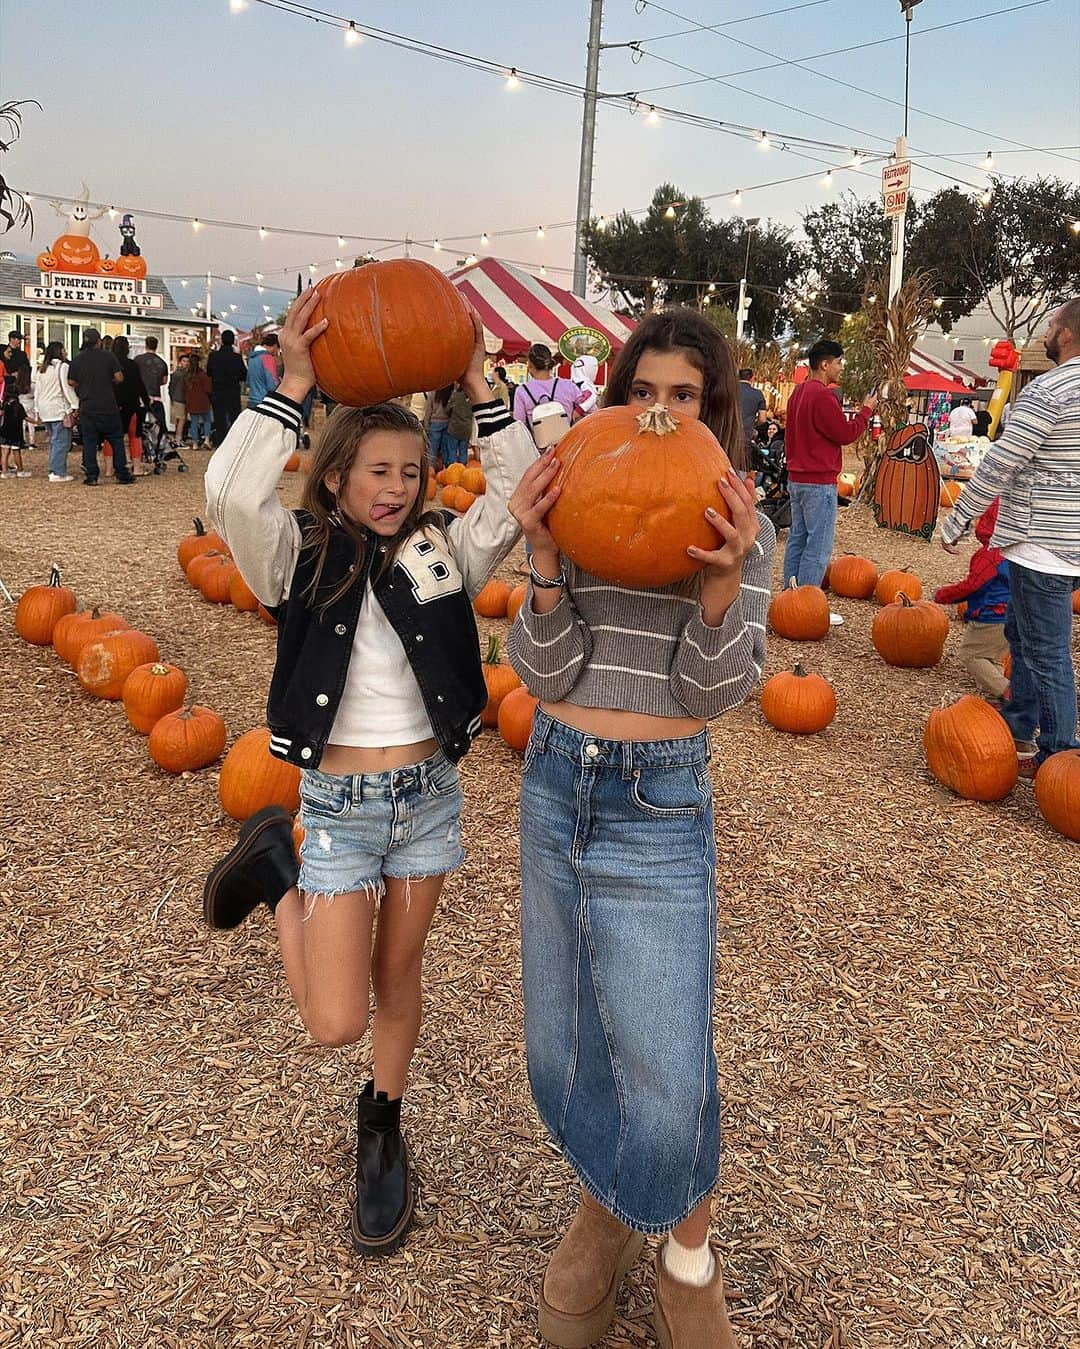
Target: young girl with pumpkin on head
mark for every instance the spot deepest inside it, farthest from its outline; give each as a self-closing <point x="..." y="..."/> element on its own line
<point x="376" y="693"/>
<point x="618" y="857"/>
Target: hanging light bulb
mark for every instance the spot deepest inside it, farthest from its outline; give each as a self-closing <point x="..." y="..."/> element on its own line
<point x="232" y="309"/>
<point x="856" y="159"/>
<point x="543" y="270"/>
<point x="262" y="231"/>
<point x="232" y="280"/>
<point x="112" y="212"/>
<point x="763" y="140"/>
<point x="872" y="299"/>
<point x="184" y="284"/>
<point x="938" y="302"/>
<point x="826" y="182"/>
<point x="736" y="200"/>
<point x="341" y="241"/>
<point x="260" y="289"/>
<point x="258" y="276"/>
<point x="988" y="162"/>
<point x="986" y="197"/>
<point x="653" y="117"/>
<point x="484" y="240"/>
<point x="539" y="231"/>
<point x="27" y="196"/>
<point x="352" y="36"/>
<point x="712" y="287"/>
<point x="237" y="6"/>
<point x="312" y="268"/>
<point x="669" y="214"/>
<point x="436" y="247"/>
<point x="194" y="309"/>
<point x="470" y="261"/>
<point x="338" y="263"/>
<point x="196" y="224"/>
<point x="512" y="80"/>
<point x="601" y="224"/>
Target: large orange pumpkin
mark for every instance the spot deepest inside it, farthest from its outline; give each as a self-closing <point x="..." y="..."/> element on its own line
<point x="852" y="576"/>
<point x="201" y="563"/>
<point x="500" y="680"/>
<point x="473" y="480"/>
<point x="242" y="595"/>
<point x="202" y="541"/>
<point x="184" y="741"/>
<point x="910" y="634"/>
<point x="252" y="778"/>
<point x="907" y="487"/>
<point x="516" y="714"/>
<point x="450" y="476"/>
<point x="150" y="691"/>
<point x="76" y="253"/>
<point x="104" y="664"/>
<point x="890" y="583"/>
<point x="40" y="609"/>
<point x="800" y="703"/>
<point x="492" y="600"/>
<point x="516" y="600"/>
<point x="634" y="488"/>
<point x="74" y="630"/>
<point x="800" y="613"/>
<point x="970" y="749"/>
<point x="215" y="580"/>
<point x="1057" y="792"/>
<point x="394" y="327"/>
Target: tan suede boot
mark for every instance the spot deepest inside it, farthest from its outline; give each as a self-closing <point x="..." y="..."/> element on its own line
<point x="577" y="1301"/>
<point x="691" y="1318"/>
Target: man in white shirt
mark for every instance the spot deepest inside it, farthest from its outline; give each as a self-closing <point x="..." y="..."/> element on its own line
<point x="961" y="420"/>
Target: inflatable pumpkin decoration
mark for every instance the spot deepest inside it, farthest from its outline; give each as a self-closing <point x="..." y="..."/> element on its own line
<point x="907" y="489"/>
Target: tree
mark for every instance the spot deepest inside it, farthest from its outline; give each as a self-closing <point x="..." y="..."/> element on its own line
<point x="849" y="244"/>
<point x="686" y="252"/>
<point x="859" y="376"/>
<point x="951" y="245"/>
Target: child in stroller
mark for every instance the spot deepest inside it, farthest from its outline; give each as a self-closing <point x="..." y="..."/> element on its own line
<point x="157" y="448"/>
<point x="769" y="464"/>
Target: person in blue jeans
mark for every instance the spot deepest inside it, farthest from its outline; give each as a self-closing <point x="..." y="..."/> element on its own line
<point x="1035" y="468"/>
<point x="436" y="420"/>
<point x="816" y="433"/>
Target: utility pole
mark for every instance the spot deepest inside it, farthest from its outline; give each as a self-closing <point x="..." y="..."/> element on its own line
<point x="896" y="257"/>
<point x="744" y="302"/>
<point x="588" y="140"/>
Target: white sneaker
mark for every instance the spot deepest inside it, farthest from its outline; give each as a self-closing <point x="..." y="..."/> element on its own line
<point x="835" y="620"/>
<point x="61" y="477"/>
<point x="24" y="473"/>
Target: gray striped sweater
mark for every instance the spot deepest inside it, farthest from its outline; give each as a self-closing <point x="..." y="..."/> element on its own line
<point x="647" y="651"/>
<point x="1035" y="469"/>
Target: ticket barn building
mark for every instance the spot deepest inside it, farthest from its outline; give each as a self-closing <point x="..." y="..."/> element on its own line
<point x="59" y="306"/>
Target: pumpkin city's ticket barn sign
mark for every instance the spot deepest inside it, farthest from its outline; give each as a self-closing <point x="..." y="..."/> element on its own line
<point x="104" y="292"/>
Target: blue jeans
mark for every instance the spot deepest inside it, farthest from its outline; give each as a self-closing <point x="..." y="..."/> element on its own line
<point x="618" y="949"/>
<point x="1042" y="688"/>
<point x="810" y="539"/>
<point x="96" y="429"/>
<point x="59" y="445"/>
<point x="436" y="434"/>
<point x="454" y="451"/>
<point x="198" y="427"/>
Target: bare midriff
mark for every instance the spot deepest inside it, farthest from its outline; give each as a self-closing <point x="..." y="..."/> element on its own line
<point x="345" y="760"/>
<point x="609" y="723"/>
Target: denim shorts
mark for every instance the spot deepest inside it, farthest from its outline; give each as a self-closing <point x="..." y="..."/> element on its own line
<point x="359" y="828"/>
<point x="618" y="936"/>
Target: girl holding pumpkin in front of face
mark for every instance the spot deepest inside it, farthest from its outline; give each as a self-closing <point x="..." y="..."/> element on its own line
<point x="618" y="865"/>
<point x="376" y="693"/>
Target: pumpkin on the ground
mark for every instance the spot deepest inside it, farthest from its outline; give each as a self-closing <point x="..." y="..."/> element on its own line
<point x="201" y="563"/>
<point x="74" y="630"/>
<point x="1076" y="601"/>
<point x="950" y="491"/>
<point x="202" y="541"/>
<point x="1057" y="792"/>
<point x="215" y="580"/>
<point x="634" y="489"/>
<point x="970" y="749"/>
<point x="516" y="600"/>
<point x="189" y="739"/>
<point x="892" y="582"/>
<point x="394" y="327"/>
<point x="266" y="616"/>
<point x="492" y="600"/>
<point x="473" y="480"/>
<point x="105" y="663"/>
<point x="241" y="594"/>
<point x="516" y="715"/>
<point x="292" y="464"/>
<point x="800" y="703"/>
<point x="800" y="613"/>
<point x="430" y="488"/>
<point x="41" y="607"/>
<point x="852" y="576"/>
<point x="845" y="485"/>
<point x="500" y="679"/>
<point x="150" y="691"/>
<point x="463" y="500"/>
<point x="252" y="778"/>
<point x="450" y="476"/>
<point x="910" y="634"/>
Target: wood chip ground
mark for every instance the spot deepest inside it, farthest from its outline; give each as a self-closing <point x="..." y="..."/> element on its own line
<point x="897" y="1021"/>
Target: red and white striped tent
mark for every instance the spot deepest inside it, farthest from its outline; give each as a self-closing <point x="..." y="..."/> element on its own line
<point x="922" y="364"/>
<point x="517" y="309"/>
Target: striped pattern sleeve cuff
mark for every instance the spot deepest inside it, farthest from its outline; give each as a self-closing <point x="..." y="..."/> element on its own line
<point x="491" y="417"/>
<point x="548" y="651"/>
<point x="282" y="410"/>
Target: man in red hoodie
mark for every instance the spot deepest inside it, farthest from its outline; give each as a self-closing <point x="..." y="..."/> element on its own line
<point x="816" y="433"/>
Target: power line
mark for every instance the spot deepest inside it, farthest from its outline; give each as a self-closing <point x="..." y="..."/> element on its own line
<point x="728" y="23"/>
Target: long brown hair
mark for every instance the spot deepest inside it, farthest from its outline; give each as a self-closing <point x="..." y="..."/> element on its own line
<point x="339" y="445"/>
<point x="679" y="329"/>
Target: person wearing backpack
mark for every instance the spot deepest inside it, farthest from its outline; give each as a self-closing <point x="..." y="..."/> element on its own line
<point x="545" y="403"/>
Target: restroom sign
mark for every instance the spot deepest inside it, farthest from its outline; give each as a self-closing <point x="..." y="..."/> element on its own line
<point x="895" y="184"/>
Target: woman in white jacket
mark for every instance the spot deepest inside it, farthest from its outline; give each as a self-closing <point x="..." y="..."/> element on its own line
<point x="54" y="399"/>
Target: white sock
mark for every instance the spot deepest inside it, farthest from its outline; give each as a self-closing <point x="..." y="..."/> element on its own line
<point x="689" y="1264"/>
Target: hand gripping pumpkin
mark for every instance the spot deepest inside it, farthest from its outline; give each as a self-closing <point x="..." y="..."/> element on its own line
<point x="635" y="487"/>
<point x="395" y="327"/>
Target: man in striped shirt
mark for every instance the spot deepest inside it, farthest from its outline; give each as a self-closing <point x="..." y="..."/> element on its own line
<point x="1035" y="469"/>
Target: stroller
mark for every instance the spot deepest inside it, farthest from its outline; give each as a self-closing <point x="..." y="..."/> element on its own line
<point x="157" y="447"/>
<point x="770" y="474"/>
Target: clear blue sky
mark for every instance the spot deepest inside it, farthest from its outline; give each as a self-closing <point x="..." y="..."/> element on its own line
<point x="266" y="117"/>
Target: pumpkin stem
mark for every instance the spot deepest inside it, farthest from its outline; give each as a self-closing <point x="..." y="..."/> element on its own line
<point x="902" y="597"/>
<point x="54" y="575"/>
<point x="158" y="669"/>
<point x="493" y="657"/>
<point x="798" y="670"/>
<point x="200" y="528"/>
<point x="658" y="420"/>
<point x="793" y="584"/>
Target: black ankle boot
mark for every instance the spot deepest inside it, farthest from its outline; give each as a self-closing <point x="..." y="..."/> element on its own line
<point x="383" y="1212"/>
<point x="260" y="869"/>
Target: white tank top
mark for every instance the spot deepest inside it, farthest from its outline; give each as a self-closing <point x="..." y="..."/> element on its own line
<point x="381" y="704"/>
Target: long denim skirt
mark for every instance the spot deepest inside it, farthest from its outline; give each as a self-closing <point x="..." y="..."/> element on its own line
<point x="618" y="936"/>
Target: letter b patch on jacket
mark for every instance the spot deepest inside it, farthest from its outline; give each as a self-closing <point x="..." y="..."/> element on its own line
<point x="432" y="571"/>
